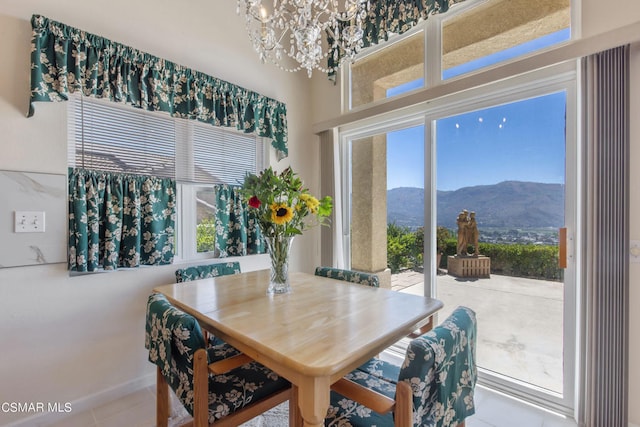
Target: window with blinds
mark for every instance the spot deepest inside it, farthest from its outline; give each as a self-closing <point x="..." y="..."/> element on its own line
<point x="222" y="156"/>
<point x="118" y="138"/>
<point x="111" y="137"/>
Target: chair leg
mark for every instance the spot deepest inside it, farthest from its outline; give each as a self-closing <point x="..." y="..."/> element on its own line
<point x="404" y="405"/>
<point x="162" y="400"/>
<point x="200" y="389"/>
<point x="423" y="330"/>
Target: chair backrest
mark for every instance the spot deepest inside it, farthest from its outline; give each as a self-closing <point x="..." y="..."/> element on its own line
<point x="442" y="364"/>
<point x="353" y="276"/>
<point x="206" y="271"/>
<point x="172" y="338"/>
<point x="236" y="390"/>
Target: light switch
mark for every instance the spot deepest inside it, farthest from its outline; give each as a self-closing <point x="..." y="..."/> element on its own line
<point x="29" y="222"/>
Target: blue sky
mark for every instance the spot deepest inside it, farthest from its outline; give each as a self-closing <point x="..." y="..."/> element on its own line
<point x="523" y="141"/>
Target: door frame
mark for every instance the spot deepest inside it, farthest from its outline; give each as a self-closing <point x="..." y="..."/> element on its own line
<point x="560" y="77"/>
<point x="550" y="83"/>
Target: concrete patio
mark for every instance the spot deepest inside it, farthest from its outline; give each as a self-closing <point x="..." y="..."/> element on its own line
<point x="519" y="322"/>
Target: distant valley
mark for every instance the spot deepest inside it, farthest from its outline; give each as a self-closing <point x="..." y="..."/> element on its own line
<point x="509" y="204"/>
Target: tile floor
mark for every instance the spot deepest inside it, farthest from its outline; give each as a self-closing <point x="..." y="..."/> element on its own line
<point x="138" y="410"/>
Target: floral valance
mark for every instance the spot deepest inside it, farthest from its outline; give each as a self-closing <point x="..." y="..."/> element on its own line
<point x="392" y="17"/>
<point x="65" y="60"/>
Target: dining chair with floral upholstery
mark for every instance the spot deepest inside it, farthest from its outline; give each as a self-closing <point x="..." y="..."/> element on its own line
<point x="205" y="271"/>
<point x="217" y="385"/>
<point x="353" y="276"/>
<point x="434" y="387"/>
<point x="362" y="278"/>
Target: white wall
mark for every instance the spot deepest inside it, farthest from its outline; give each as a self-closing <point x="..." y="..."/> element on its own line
<point x="81" y="339"/>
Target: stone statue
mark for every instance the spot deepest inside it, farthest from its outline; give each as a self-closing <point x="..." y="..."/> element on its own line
<point x="462" y="233"/>
<point x="472" y="233"/>
<point x="467" y="233"/>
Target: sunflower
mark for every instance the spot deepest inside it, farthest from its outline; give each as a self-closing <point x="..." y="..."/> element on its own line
<point x="281" y="213"/>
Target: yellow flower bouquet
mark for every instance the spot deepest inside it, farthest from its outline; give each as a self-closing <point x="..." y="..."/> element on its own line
<point x="283" y="209"/>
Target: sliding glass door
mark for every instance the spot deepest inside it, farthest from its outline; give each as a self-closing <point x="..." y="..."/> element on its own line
<point x="385" y="197"/>
<point x="506" y="156"/>
<point x="506" y="166"/>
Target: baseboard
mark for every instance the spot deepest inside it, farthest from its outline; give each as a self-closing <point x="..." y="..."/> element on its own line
<point x="633" y="425"/>
<point x="87" y="403"/>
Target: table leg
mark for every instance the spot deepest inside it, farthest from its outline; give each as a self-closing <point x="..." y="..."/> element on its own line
<point x="313" y="400"/>
<point x="295" y="419"/>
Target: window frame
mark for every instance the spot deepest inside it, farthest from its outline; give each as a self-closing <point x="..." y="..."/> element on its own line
<point x="186" y="206"/>
<point x="562" y="76"/>
<point x="432" y="72"/>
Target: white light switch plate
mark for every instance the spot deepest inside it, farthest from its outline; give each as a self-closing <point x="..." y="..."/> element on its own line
<point x="29" y="222"/>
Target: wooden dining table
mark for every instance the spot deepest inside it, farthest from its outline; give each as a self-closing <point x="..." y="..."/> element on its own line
<point x="312" y="336"/>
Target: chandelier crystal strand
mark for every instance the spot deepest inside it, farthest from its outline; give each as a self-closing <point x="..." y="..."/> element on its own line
<point x="285" y="30"/>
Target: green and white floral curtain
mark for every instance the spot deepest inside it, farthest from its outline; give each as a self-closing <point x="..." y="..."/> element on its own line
<point x="118" y="220"/>
<point x="65" y="60"/>
<point x="391" y="17"/>
<point x="237" y="230"/>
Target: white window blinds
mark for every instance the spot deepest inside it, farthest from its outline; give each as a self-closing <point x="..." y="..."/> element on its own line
<point x="223" y="156"/>
<point x="117" y="138"/>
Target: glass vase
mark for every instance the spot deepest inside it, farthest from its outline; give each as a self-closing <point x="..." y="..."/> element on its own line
<point x="279" y="247"/>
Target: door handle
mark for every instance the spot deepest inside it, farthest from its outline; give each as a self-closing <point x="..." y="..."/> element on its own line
<point x="562" y="249"/>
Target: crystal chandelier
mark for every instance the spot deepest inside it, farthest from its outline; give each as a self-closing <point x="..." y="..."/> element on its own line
<point x="295" y="29"/>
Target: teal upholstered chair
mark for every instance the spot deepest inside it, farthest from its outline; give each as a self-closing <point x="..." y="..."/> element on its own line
<point x="434" y="387"/>
<point x="362" y="278"/>
<point x="353" y="276"/>
<point x="212" y="384"/>
<point x="206" y="271"/>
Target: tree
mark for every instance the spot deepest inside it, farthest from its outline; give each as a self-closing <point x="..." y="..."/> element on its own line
<point x="206" y="235"/>
<point x="442" y="235"/>
<point x="402" y="250"/>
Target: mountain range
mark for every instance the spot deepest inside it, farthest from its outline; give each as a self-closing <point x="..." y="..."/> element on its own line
<point x="513" y="204"/>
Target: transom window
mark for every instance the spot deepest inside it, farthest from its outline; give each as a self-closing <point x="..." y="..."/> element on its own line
<point x="495" y="31"/>
<point x="372" y="76"/>
<point x="471" y="36"/>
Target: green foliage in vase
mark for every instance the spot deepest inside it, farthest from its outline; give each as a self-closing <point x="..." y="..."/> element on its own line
<point x="283" y="206"/>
